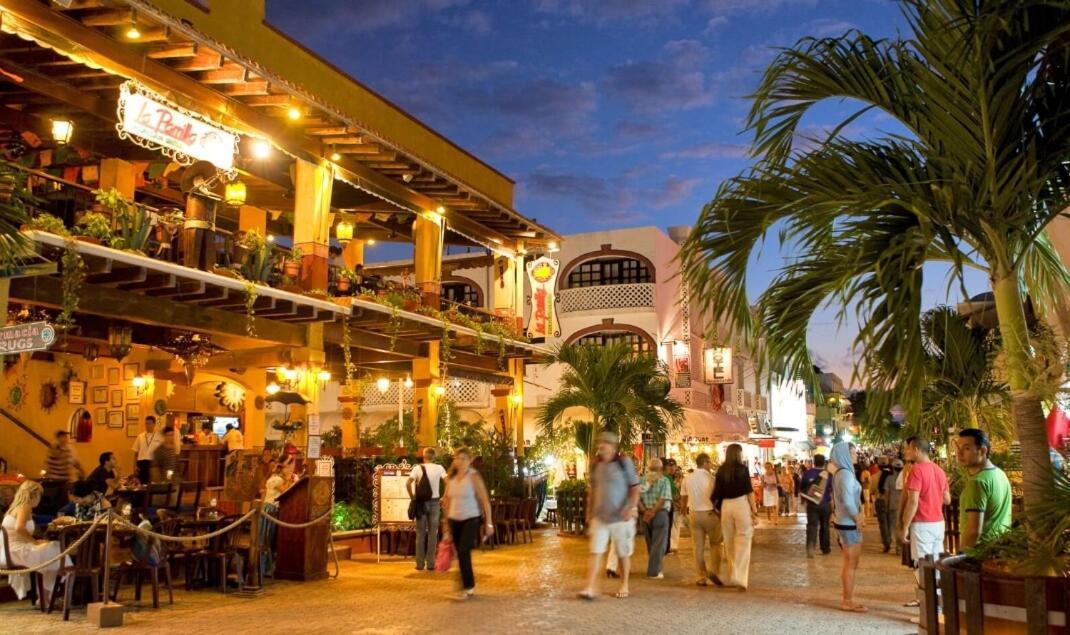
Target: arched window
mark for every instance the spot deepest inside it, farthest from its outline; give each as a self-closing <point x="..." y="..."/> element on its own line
<point x="461" y="293"/>
<point x="638" y="343"/>
<point x="606" y="271"/>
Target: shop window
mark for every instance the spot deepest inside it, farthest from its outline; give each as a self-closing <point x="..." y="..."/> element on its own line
<point x="594" y="273"/>
<point x="638" y="343"/>
<point x="461" y="293"/>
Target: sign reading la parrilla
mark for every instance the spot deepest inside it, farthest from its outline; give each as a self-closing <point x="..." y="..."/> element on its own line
<point x="25" y="338"/>
<point x="152" y="122"/>
<point x="542" y="276"/>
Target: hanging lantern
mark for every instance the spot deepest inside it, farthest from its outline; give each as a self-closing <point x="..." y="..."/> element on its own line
<point x="383" y="384"/>
<point x="91" y="352"/>
<point x="234" y="193"/>
<point x="343" y="231"/>
<point x="120" y="341"/>
<point x="62" y="131"/>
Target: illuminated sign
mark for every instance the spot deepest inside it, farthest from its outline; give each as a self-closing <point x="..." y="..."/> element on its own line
<point x="681" y="363"/>
<point x="717" y="365"/>
<point x="542" y="276"/>
<point x="149" y="121"/>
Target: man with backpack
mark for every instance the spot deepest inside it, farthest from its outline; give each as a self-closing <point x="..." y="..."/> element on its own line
<point x="425" y="490"/>
<point x="818" y="496"/>
<point x="612" y="507"/>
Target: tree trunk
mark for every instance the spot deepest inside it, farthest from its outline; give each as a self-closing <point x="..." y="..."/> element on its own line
<point x="1026" y="411"/>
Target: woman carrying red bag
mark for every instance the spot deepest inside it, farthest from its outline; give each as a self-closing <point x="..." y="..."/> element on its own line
<point x="468" y="516"/>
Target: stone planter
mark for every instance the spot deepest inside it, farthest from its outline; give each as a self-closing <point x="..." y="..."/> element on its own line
<point x="358" y="540"/>
<point x="982" y="599"/>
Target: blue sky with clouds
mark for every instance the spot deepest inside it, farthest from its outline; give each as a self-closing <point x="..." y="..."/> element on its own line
<point x="606" y="113"/>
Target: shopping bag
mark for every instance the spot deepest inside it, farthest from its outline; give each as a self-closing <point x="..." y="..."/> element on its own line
<point x="444" y="557"/>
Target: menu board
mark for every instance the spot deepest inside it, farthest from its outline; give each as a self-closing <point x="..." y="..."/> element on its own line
<point x="391" y="494"/>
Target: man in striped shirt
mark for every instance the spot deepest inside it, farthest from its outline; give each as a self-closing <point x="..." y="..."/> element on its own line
<point x="62" y="459"/>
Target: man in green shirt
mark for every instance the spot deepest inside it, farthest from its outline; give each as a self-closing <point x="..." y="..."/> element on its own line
<point x="985" y="503"/>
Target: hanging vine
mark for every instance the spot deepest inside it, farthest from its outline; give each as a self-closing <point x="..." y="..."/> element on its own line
<point x="347" y="353"/>
<point x="73" y="278"/>
<point x="445" y="349"/>
<point x="394" y="326"/>
<point x="251" y="294"/>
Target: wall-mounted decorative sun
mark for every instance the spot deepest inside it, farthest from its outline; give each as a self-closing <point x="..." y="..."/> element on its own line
<point x="230" y="395"/>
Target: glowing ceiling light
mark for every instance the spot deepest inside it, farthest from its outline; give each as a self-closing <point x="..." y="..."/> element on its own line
<point x="294" y="113"/>
<point x="383" y="384"/>
<point x="132" y="32"/>
<point x="408" y="382"/>
<point x="62" y="131"/>
<point x="261" y="149"/>
<point x="273" y="388"/>
<point x="440" y="390"/>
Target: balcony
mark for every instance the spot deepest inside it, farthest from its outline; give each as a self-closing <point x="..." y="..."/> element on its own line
<point x="614" y="296"/>
<point x="464" y="393"/>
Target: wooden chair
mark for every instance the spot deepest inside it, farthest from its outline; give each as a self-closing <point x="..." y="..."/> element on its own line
<point x="88" y="563"/>
<point x="221" y="550"/>
<point x="37" y="581"/>
<point x="526" y="518"/>
<point x="137" y="569"/>
<point x="180" y="552"/>
<point x="188" y="505"/>
<point x="157" y="496"/>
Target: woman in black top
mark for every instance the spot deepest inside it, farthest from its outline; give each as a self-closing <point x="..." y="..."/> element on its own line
<point x="733" y="497"/>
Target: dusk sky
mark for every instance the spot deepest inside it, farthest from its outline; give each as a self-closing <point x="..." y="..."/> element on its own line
<point x="606" y="113"/>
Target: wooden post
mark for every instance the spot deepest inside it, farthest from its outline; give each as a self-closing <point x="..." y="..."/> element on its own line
<point x="1036" y="606"/>
<point x="426" y="375"/>
<point x="950" y="599"/>
<point x="312" y="220"/>
<point x="427" y="256"/>
<point x="929" y="621"/>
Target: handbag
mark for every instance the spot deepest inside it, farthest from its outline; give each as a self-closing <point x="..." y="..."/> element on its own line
<point x="444" y="557"/>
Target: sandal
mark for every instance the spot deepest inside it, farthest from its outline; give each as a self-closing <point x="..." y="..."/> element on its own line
<point x="702" y="582"/>
<point x="622" y="594"/>
<point x="854" y="608"/>
<point x="585" y="595"/>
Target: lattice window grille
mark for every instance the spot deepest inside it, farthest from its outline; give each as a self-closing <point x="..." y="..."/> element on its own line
<point x="372" y="396"/>
<point x="615" y="296"/>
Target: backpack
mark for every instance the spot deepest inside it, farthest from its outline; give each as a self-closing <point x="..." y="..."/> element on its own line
<point x="816" y="492"/>
<point x="423" y="487"/>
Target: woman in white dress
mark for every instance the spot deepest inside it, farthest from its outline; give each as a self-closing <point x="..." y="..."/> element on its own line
<point x="25" y="550"/>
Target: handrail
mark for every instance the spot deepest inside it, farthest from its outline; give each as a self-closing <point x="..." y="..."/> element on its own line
<point x="25" y="428"/>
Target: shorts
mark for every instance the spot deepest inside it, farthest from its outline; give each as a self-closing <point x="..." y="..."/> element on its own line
<point x="621" y="533"/>
<point x="850" y="537"/>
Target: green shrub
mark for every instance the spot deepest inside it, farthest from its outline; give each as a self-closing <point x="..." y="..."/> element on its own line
<point x="350" y="516"/>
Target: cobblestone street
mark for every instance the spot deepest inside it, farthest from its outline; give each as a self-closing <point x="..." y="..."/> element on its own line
<point x="531" y="589"/>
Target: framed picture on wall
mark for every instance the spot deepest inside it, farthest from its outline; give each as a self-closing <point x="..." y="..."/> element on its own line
<point x="132" y="393"/>
<point x="116" y="399"/>
<point x="115" y="419"/>
<point x="130" y="371"/>
<point x="132" y="430"/>
<point x="133" y="412"/>
<point x="113" y="376"/>
<point x="100" y="416"/>
<point x="100" y="394"/>
<point x="76" y="392"/>
<point x="97" y="373"/>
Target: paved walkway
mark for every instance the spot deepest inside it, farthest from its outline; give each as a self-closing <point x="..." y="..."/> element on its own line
<point x="531" y="588"/>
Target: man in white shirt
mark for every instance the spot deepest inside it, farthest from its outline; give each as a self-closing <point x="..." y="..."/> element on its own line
<point x="696" y="497"/>
<point x="425" y="489"/>
<point x="145" y="447"/>
<point x="233" y="438"/>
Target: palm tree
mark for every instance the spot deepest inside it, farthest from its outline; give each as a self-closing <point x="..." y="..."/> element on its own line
<point x="14" y="197"/>
<point x="980" y="87"/>
<point x="621" y="391"/>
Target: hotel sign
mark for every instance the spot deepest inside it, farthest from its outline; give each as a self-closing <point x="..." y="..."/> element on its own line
<point x="717" y="365"/>
<point x="150" y="121"/>
<point x="542" y="276"/>
<point x="25" y="338"/>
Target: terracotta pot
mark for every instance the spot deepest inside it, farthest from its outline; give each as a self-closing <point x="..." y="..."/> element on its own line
<point x="343" y="284"/>
<point x="292" y="268"/>
<point x="89" y="239"/>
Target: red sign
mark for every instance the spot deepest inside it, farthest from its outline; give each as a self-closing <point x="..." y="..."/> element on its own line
<point x="767" y="443"/>
<point x="542" y="276"/>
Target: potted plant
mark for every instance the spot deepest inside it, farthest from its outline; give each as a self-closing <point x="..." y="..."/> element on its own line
<point x="48" y="223"/>
<point x="331" y="442"/>
<point x="94" y="227"/>
<point x="346" y="279"/>
<point x="133" y="221"/>
<point x="291" y="263"/>
<point x="258" y="261"/>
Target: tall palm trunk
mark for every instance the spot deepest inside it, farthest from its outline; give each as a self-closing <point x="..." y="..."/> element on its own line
<point x="1025" y="409"/>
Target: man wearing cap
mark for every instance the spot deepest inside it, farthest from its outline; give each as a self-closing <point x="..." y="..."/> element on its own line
<point x="611" y="512"/>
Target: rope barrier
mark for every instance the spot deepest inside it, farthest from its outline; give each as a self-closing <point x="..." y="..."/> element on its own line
<point x="166" y="538"/>
<point x="280" y="523"/>
<point x="63" y="554"/>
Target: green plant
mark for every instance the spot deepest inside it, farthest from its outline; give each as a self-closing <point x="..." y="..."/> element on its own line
<point x="71" y="283"/>
<point x="623" y="392"/>
<point x="95" y="225"/>
<point x="15" y="198"/>
<point x="251" y="294"/>
<point x="259" y="260"/>
<point x="348" y="274"/>
<point x="351" y="516"/>
<point x="973" y="180"/>
<point x="294" y="255"/>
<point x="133" y="221"/>
<point x="332" y="438"/>
<point x="49" y="223"/>
<point x="389" y="435"/>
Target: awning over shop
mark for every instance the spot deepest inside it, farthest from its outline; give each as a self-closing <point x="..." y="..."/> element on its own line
<point x="714" y="426"/>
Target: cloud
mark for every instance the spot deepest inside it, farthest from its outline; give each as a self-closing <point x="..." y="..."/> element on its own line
<point x="542" y="100"/>
<point x="604" y="11"/>
<point x="611" y="199"/>
<point x="828" y="27"/>
<point x="674" y="81"/>
<point x="635" y="130"/>
<point x="675" y="190"/>
<point x="477" y="22"/>
<point x="711" y="150"/>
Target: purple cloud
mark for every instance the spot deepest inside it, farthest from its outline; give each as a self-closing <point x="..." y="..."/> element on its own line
<point x="323" y="18"/>
<point x="675" y="81"/>
<point x="675" y="190"/>
<point x="603" y="11"/>
<point x="711" y="150"/>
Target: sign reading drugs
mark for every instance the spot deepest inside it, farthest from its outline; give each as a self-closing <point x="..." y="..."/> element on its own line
<point x="150" y="121"/>
<point x="24" y="338"/>
<point x="542" y="276"/>
<point x="717" y="365"/>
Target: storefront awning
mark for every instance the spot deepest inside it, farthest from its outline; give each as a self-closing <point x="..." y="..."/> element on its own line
<point x="714" y="426"/>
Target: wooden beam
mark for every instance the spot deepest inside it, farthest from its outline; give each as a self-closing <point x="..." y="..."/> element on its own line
<point x="244" y="89"/>
<point x="142" y="309"/>
<point x="67" y="94"/>
<point x="110" y="17"/>
<point x="173" y="51"/>
<point x="267" y="101"/>
<point x="204" y="60"/>
<point x="229" y="73"/>
<point x="328" y="130"/>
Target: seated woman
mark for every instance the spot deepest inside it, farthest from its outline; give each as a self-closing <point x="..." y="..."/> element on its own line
<point x="278" y="483"/>
<point x="25" y="550"/>
<point x="86" y="503"/>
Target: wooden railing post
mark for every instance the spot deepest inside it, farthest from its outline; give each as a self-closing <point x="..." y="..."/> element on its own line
<point x="929" y="621"/>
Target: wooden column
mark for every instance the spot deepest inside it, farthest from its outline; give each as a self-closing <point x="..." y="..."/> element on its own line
<point x="353" y="253"/>
<point x="426" y="375"/>
<point x="509" y="406"/>
<point x="312" y="220"/>
<point x="118" y="174"/>
<point x="427" y="256"/>
<point x="250" y="218"/>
